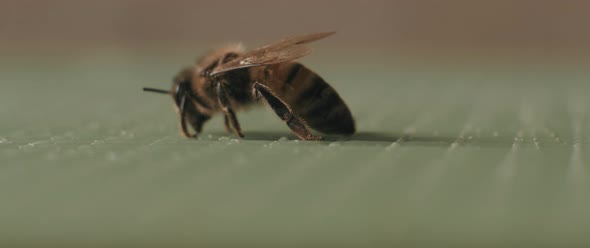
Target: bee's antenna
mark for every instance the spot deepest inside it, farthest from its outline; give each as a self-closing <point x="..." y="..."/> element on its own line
<point x="157" y="90"/>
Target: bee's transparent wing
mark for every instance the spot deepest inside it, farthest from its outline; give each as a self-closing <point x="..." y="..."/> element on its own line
<point x="300" y="39"/>
<point x="289" y="48"/>
<point x="264" y="57"/>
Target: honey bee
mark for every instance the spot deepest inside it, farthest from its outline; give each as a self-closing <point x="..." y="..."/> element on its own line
<point x="230" y="79"/>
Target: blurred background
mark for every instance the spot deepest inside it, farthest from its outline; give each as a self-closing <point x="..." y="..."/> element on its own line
<point x="543" y="30"/>
<point x="472" y="120"/>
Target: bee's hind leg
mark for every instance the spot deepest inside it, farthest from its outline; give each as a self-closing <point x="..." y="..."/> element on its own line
<point x="284" y="112"/>
<point x="227" y="110"/>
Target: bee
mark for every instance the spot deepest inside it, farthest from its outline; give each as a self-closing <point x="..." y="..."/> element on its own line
<point x="230" y="79"/>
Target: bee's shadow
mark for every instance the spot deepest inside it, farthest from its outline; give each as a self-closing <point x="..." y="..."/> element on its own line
<point x="360" y="136"/>
<point x="379" y="138"/>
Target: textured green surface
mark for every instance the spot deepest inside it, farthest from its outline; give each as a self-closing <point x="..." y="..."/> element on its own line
<point x="455" y="155"/>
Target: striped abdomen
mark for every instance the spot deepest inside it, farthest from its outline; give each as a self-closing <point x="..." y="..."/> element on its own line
<point x="310" y="97"/>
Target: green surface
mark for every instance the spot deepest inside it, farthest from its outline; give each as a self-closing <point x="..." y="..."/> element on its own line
<point x="445" y="155"/>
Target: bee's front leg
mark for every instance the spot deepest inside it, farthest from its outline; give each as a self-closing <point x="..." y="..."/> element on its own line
<point x="182" y="115"/>
<point x="230" y="115"/>
<point x="183" y="126"/>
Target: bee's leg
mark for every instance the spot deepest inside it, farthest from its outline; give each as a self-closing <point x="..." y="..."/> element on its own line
<point x="226" y="124"/>
<point x="182" y="114"/>
<point x="183" y="126"/>
<point x="284" y="112"/>
<point x="226" y="108"/>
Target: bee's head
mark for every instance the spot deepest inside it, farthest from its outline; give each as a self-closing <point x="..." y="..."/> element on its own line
<point x="183" y="96"/>
<point x="181" y="88"/>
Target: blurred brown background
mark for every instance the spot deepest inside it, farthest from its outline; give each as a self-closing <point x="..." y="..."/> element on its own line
<point x="428" y="28"/>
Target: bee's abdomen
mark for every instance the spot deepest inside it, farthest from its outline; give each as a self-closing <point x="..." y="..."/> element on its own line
<point x="313" y="99"/>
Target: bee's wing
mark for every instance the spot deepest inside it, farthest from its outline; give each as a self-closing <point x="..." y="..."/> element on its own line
<point x="301" y="39"/>
<point x="289" y="48"/>
<point x="264" y="57"/>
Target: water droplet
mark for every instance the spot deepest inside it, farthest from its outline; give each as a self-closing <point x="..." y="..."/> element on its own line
<point x="393" y="145"/>
<point x="333" y="144"/>
<point x="223" y="139"/>
<point x="31" y="145"/>
<point x="283" y="139"/>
